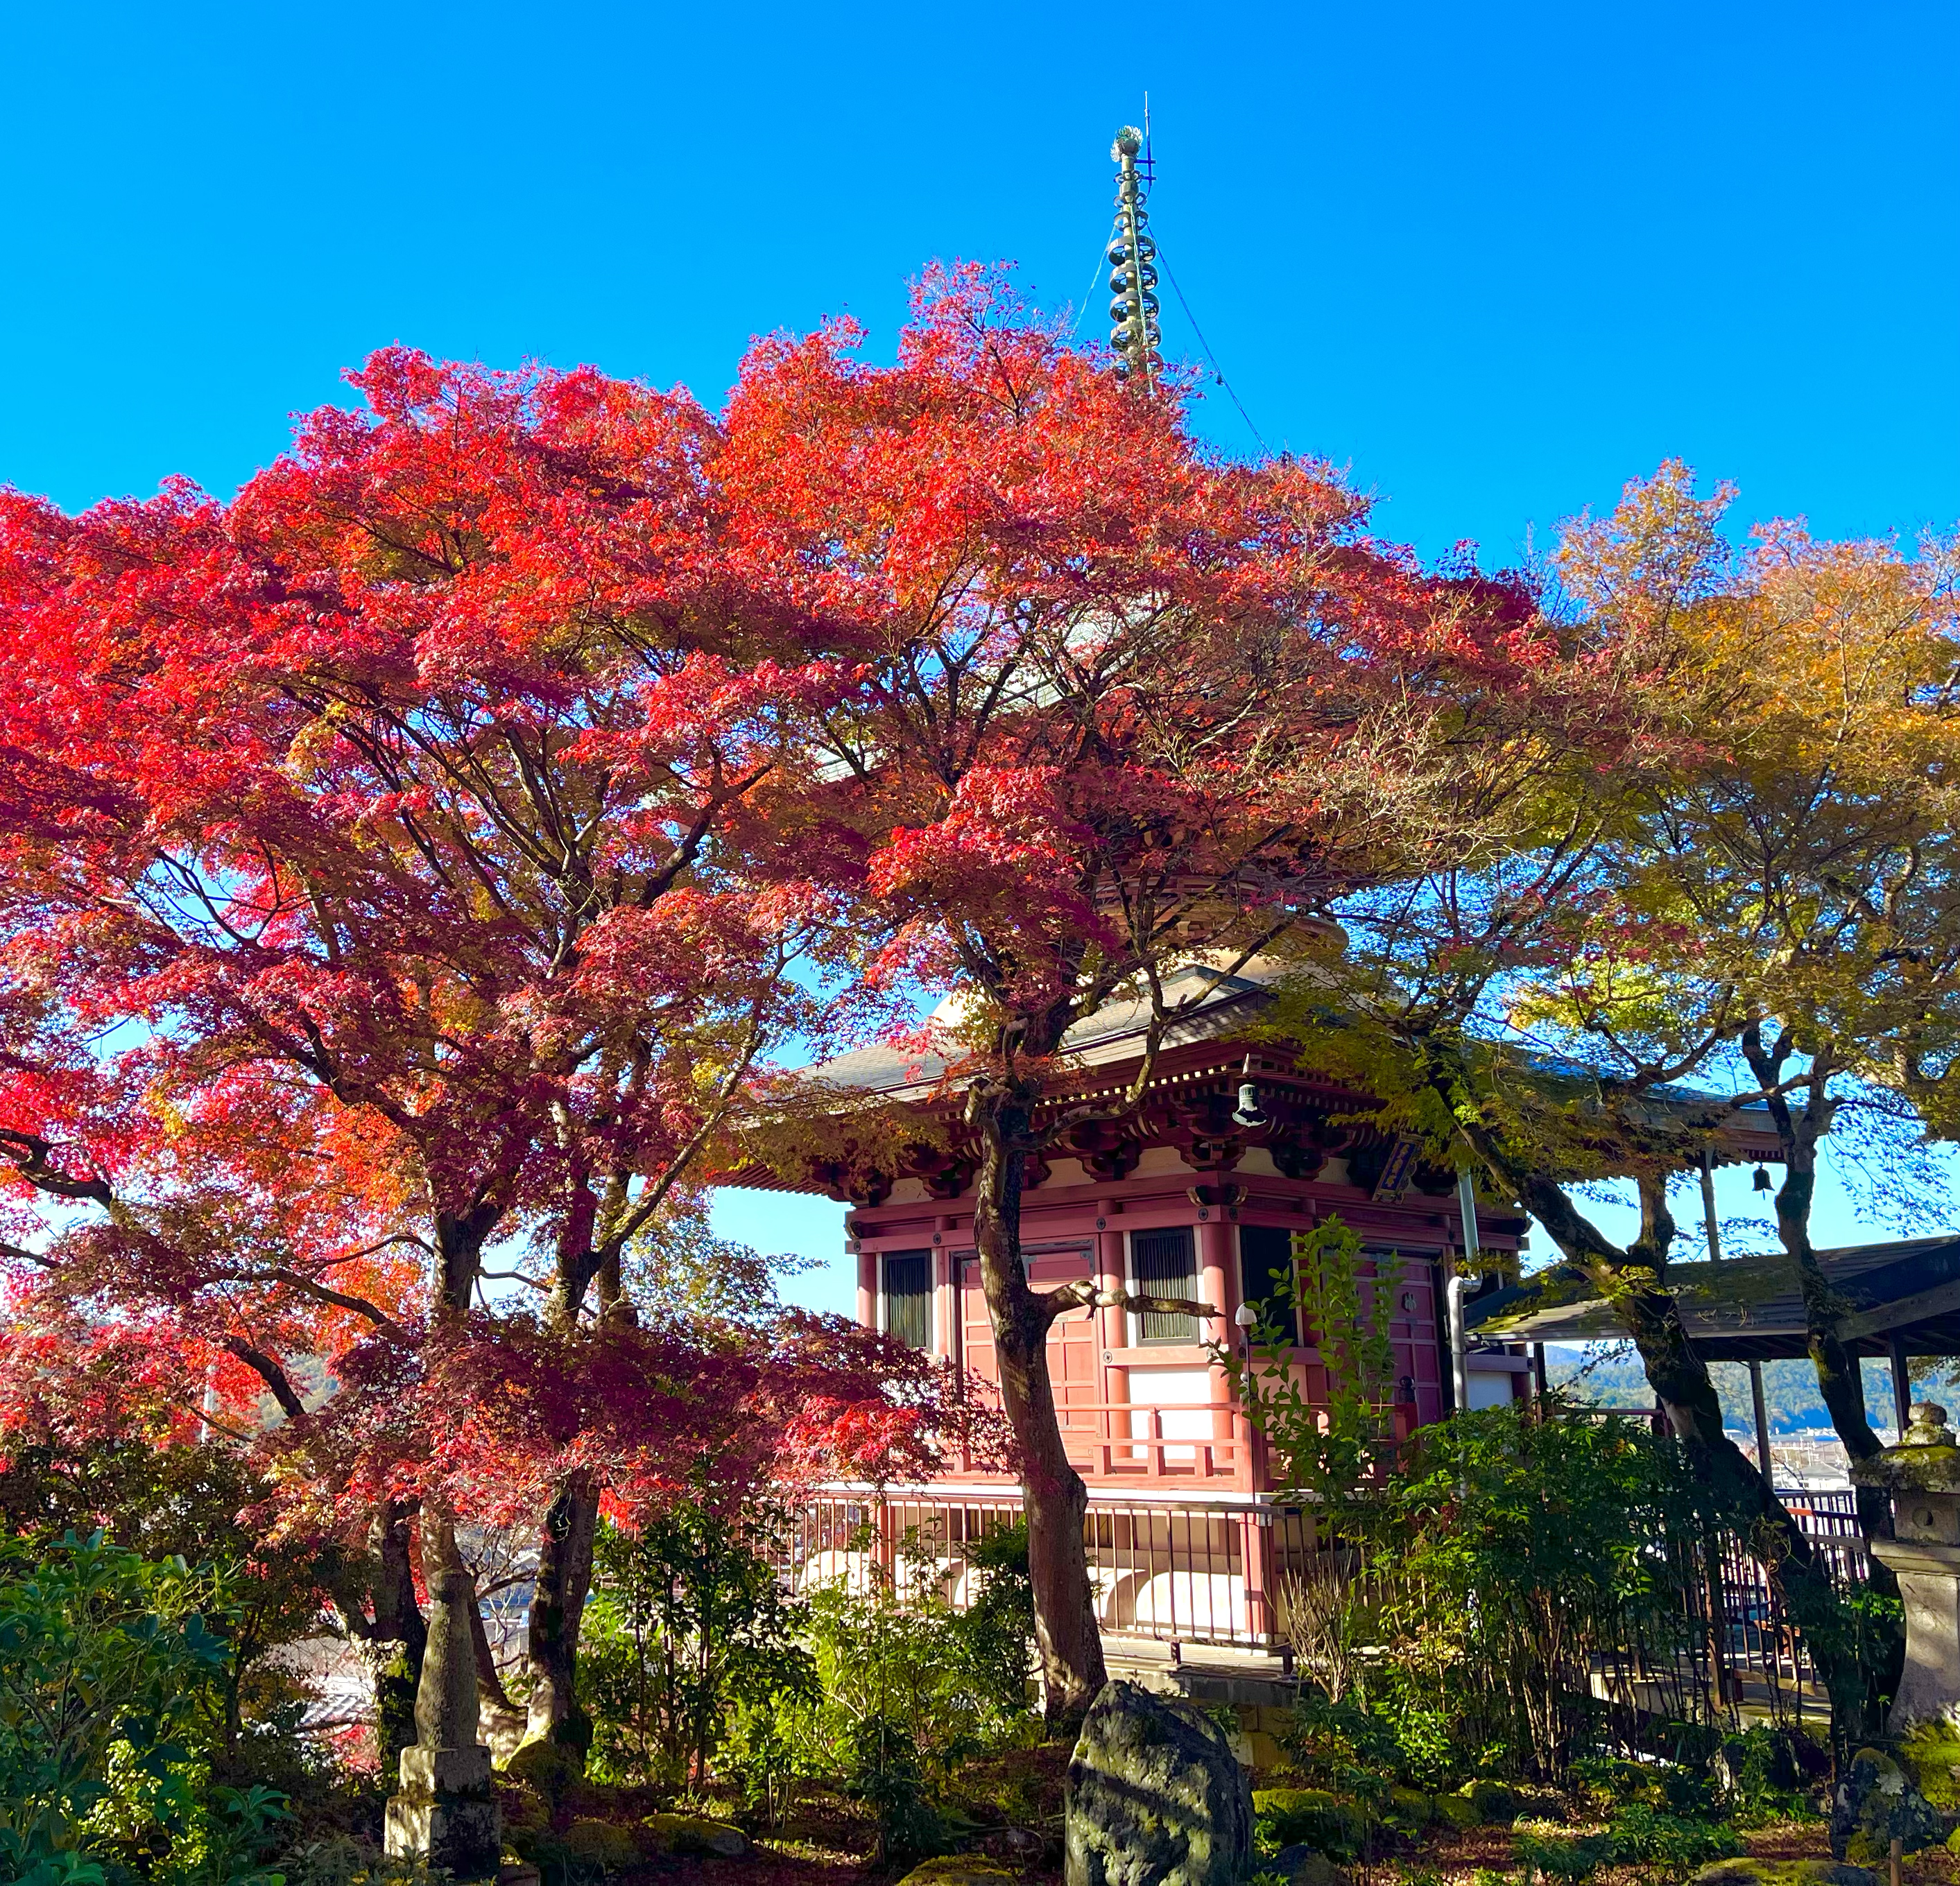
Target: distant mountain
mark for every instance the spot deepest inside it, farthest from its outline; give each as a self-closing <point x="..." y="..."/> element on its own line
<point x="1609" y="1375"/>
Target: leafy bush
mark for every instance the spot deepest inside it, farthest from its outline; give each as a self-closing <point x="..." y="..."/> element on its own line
<point x="109" y="1673"/>
<point x="883" y="1769"/>
<point x="686" y="1617"/>
<point x="1344" y="1746"/>
<point x="997" y="1630"/>
<point x="1314" y="1817"/>
<point x="1565" y="1860"/>
<point x="1509" y="1548"/>
<point x="1668" y="1846"/>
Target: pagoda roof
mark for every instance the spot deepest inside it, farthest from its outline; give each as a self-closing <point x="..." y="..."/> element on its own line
<point x="1189" y="1097"/>
<point x="1113" y="1035"/>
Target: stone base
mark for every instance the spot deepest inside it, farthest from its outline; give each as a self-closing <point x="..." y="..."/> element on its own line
<point x="1929" y="1577"/>
<point x="445" y="1813"/>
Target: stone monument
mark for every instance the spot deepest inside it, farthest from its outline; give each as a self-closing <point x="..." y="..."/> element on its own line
<point x="1922" y="1474"/>
<point x="446" y="1811"/>
<point x="1155" y="1797"/>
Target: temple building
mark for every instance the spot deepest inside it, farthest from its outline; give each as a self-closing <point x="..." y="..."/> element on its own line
<point x="1195" y="1195"/>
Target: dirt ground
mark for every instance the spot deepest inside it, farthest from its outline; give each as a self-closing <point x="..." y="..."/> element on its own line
<point x="1453" y="1855"/>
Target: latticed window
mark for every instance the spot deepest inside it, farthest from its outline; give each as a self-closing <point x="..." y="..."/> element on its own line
<point x="1265" y="1270"/>
<point x="1165" y="1264"/>
<point x="908" y="1297"/>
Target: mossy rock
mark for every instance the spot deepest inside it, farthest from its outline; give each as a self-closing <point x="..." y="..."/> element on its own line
<point x="1931" y="1754"/>
<point x="1494" y="1801"/>
<point x="1875" y="1804"/>
<point x="962" y="1869"/>
<point x="601" y="1844"/>
<point x="691" y="1833"/>
<point x="1410" y="1809"/>
<point x="549" y="1768"/>
<point x="1745" y="1871"/>
<point x="1453" y="1810"/>
<point x="1312" y="1816"/>
<point x="524" y="1814"/>
<point x="1542" y="1804"/>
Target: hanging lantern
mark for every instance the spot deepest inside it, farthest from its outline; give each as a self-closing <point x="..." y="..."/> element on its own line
<point x="1762" y="1179"/>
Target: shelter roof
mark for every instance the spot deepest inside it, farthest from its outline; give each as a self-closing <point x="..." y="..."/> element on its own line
<point x="1748" y="1309"/>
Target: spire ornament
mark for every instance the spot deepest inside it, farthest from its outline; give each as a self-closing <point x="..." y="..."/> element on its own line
<point x="1133" y="331"/>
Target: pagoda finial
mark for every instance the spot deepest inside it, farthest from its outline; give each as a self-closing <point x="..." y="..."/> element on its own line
<point x="1134" y="332"/>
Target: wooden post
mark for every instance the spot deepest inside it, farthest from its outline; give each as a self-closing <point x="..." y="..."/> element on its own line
<point x="1764" y="1464"/>
<point x="1902" y="1384"/>
<point x="1218" y="1285"/>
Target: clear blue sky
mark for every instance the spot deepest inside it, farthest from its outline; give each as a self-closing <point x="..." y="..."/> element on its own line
<point x="1496" y="259"/>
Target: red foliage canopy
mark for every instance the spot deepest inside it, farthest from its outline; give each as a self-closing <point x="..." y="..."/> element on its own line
<point x="399" y="863"/>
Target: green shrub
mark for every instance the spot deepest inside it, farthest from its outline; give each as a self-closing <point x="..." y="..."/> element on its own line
<point x="1668" y="1846"/>
<point x="884" y="1771"/>
<point x="1492" y="1801"/>
<point x="686" y="1616"/>
<point x="599" y="1844"/>
<point x="1564" y="1860"/>
<point x="342" y="1861"/>
<point x="997" y="1630"/>
<point x="1343" y="1746"/>
<point x="111" y="1684"/>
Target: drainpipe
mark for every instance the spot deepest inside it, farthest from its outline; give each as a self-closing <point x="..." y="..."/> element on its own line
<point x="1459" y="1340"/>
<point x="1459" y="1366"/>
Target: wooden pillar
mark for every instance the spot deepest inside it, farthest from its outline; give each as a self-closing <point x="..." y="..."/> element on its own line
<point x="1759" y="1408"/>
<point x="1256" y="1559"/>
<point x="1113" y="1332"/>
<point x="1902" y="1384"/>
<point x="1218" y="1285"/>
<point x="868" y="1289"/>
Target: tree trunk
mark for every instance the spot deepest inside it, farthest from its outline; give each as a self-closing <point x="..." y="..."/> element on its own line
<point x="1800" y="1130"/>
<point x="399" y="1638"/>
<point x="1631" y="1281"/>
<point x="1053" y="1497"/>
<point x="1839" y="1380"/>
<point x="458" y="1243"/>
<point x="558" y="1609"/>
<point x="502" y="1723"/>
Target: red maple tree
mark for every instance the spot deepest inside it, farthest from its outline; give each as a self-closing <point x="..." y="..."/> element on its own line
<point x="1120" y="708"/>
<point x="398" y="880"/>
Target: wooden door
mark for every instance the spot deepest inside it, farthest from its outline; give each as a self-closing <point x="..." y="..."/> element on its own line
<point x="1074" y="1361"/>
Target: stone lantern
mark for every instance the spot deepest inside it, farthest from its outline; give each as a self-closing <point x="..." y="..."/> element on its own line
<point x="445" y="1811"/>
<point x="1922" y="1474"/>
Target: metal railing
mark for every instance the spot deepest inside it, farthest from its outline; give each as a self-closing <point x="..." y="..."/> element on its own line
<point x="1174" y="1574"/>
<point x="1211" y="1575"/>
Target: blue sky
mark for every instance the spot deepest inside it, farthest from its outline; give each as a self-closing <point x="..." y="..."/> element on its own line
<point x="1496" y="259"/>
